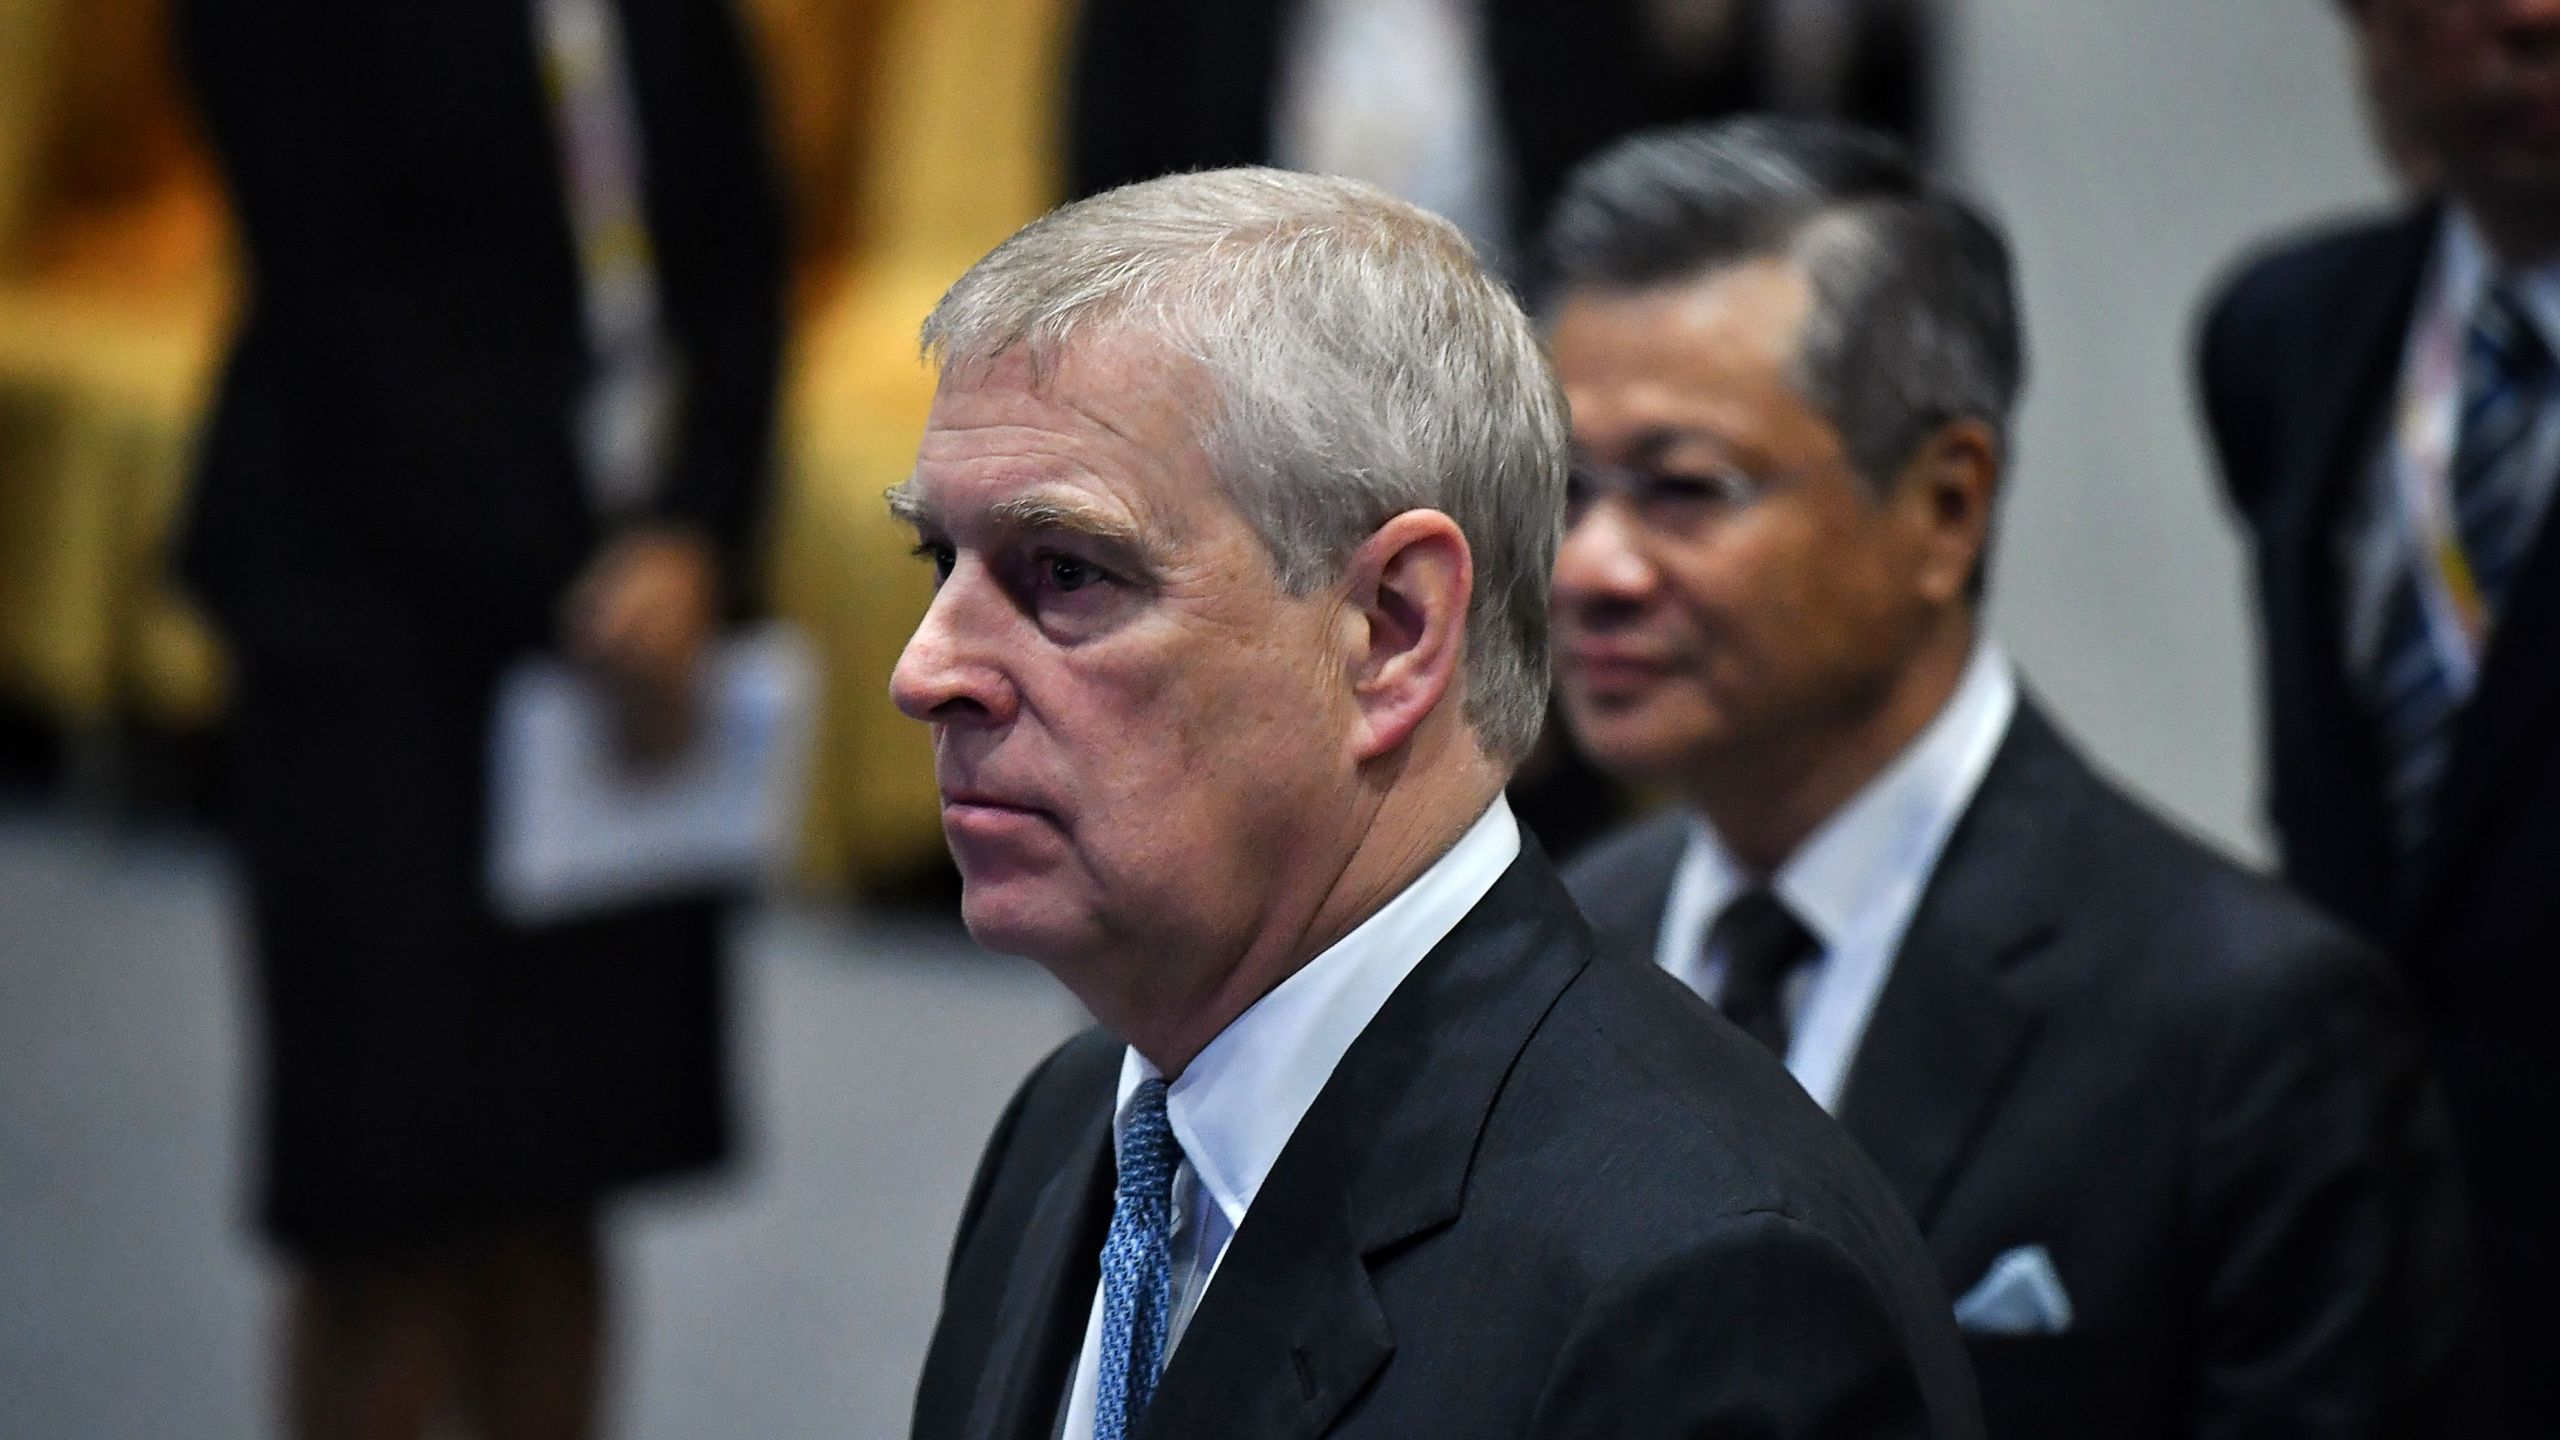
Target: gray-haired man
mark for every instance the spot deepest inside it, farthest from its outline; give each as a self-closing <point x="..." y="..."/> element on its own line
<point x="2165" y="1129"/>
<point x="1243" y="488"/>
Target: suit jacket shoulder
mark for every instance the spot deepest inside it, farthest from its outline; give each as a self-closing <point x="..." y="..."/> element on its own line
<point x="2280" y="327"/>
<point x="1623" y="881"/>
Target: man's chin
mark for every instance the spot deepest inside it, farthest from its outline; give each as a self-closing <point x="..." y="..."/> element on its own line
<point x="1010" y="917"/>
<point x="1638" y="747"/>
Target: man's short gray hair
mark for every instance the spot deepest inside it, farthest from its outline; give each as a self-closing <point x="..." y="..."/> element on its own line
<point x="1915" y="317"/>
<point x="1363" y="364"/>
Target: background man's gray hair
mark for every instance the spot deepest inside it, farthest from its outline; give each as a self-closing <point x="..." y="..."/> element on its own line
<point x="1914" y="320"/>
<point x="1362" y="363"/>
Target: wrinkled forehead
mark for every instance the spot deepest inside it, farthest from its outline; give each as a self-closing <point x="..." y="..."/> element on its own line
<point x="1099" y="440"/>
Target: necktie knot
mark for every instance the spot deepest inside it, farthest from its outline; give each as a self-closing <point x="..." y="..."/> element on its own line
<point x="1760" y="941"/>
<point x="2505" y="343"/>
<point x="1148" y="1153"/>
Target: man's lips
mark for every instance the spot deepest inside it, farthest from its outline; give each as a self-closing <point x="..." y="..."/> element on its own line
<point x="1605" y="668"/>
<point x="980" y="812"/>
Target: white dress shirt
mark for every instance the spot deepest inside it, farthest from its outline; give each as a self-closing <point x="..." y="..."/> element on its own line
<point x="2372" y="538"/>
<point x="1854" y="883"/>
<point x="1235" y="1106"/>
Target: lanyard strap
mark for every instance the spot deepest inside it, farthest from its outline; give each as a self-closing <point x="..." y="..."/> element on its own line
<point x="2425" y="435"/>
<point x="624" y="430"/>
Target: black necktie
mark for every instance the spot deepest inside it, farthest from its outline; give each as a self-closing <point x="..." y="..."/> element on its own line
<point x="1761" y="940"/>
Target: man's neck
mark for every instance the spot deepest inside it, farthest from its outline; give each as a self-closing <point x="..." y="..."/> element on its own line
<point x="1394" y="833"/>
<point x="1767" y="803"/>
<point x="2518" y="237"/>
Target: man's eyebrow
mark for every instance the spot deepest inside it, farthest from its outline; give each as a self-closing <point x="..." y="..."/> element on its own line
<point x="1070" y="515"/>
<point x="907" y="505"/>
<point x="1035" y="514"/>
<point x="1650" y="445"/>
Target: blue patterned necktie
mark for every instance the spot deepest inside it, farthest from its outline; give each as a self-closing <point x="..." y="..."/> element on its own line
<point x="2506" y="374"/>
<point x="1137" y="1267"/>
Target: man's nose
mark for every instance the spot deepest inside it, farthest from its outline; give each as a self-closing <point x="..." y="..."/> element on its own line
<point x="953" y="670"/>
<point x="1601" y="562"/>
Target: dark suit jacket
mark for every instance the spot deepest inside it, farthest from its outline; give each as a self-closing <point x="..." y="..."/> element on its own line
<point x="2203" y="1100"/>
<point x="1539" y="1196"/>
<point x="396" y="417"/>
<point x="2300" y="359"/>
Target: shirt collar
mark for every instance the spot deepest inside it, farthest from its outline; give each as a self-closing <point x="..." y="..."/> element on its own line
<point x="2469" y="265"/>
<point x="1860" y="875"/>
<point x="1238" y="1102"/>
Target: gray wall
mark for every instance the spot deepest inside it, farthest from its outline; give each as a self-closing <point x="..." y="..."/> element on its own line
<point x="2134" y="147"/>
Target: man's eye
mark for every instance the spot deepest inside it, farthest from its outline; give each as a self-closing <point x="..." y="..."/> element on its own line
<point x="940" y="554"/>
<point x="1066" y="572"/>
<point x="1702" y="489"/>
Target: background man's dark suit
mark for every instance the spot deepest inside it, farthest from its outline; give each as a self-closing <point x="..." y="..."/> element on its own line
<point x="388" y="511"/>
<point x="2101" y="1039"/>
<point x="2301" y="361"/>
<point x="1539" y="1196"/>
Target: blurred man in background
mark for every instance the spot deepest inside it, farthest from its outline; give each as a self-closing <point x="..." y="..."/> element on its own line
<point x="2165" y="1129"/>
<point x="1242" y="490"/>
<point x="503" y="384"/>
<point x="2386" y="410"/>
<point x="1472" y="109"/>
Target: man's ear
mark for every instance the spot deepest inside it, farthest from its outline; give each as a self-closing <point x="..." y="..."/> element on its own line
<point x="1408" y="585"/>
<point x="1950" y="484"/>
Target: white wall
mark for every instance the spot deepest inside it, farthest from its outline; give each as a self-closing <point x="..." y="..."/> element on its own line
<point x="2134" y="147"/>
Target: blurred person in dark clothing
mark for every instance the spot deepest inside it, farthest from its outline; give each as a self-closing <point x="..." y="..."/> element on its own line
<point x="1472" y="109"/>
<point x="2384" y="403"/>
<point x="2166" y="1129"/>
<point x="504" y="383"/>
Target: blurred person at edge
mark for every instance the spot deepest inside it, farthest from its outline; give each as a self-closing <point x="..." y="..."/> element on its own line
<point x="1241" y="490"/>
<point x="504" y="384"/>
<point x="2382" y="399"/>
<point x="2165" y="1128"/>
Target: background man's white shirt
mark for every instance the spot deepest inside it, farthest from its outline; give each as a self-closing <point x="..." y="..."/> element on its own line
<point x="1855" y="883"/>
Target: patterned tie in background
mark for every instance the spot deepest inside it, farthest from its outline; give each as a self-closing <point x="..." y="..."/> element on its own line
<point x="1137" y="1267"/>
<point x="1761" y="940"/>
<point x="2506" y="373"/>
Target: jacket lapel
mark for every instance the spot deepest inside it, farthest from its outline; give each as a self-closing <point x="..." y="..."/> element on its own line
<point x="1292" y="1330"/>
<point x="1040" y="1322"/>
<point x="1950" y="1027"/>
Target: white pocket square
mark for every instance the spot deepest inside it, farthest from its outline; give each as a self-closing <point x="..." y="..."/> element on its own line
<point x="2019" y="1295"/>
